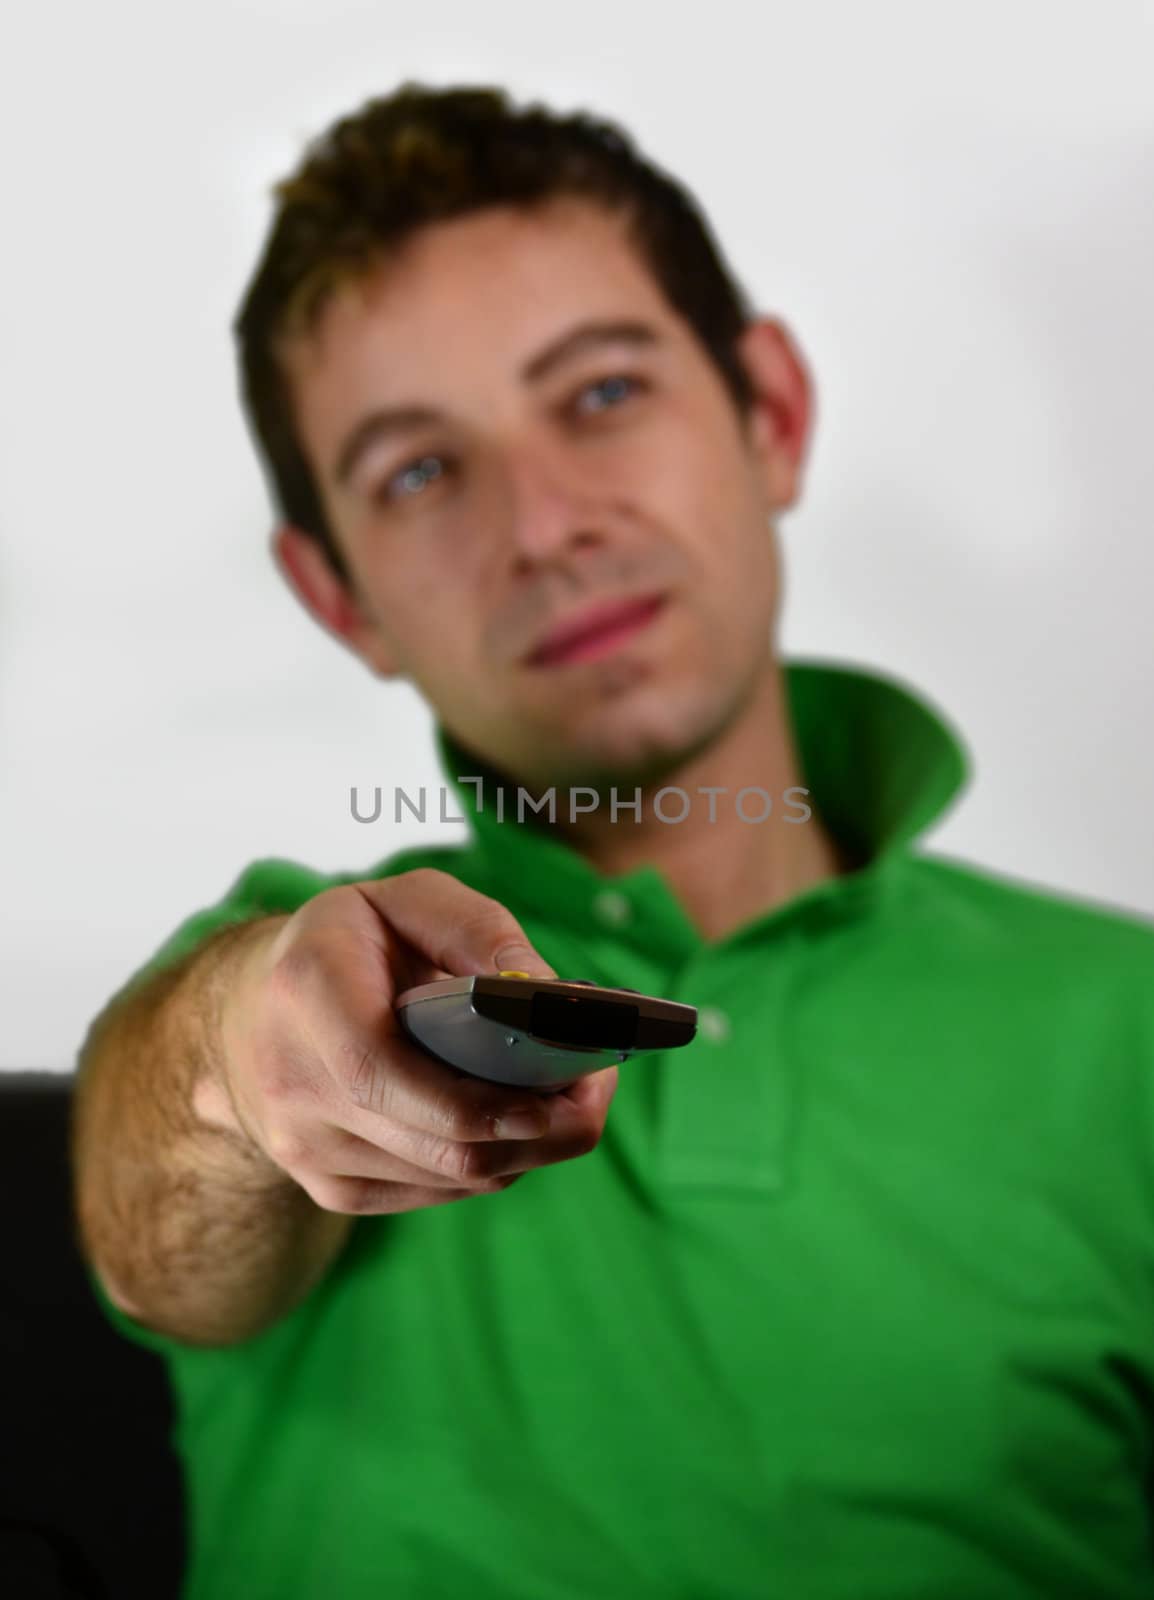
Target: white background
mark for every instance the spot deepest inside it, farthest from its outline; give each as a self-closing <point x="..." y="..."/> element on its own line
<point x="951" y="206"/>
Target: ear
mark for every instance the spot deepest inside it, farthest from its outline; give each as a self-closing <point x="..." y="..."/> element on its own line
<point x="328" y="599"/>
<point x="781" y="420"/>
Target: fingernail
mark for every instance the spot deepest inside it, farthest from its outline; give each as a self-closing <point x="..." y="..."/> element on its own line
<point x="525" y="1122"/>
<point x="517" y="957"/>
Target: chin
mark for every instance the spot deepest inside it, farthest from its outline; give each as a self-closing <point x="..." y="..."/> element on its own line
<point x="634" y="743"/>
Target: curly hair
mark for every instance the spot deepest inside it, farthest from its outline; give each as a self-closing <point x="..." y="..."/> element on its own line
<point x="424" y="154"/>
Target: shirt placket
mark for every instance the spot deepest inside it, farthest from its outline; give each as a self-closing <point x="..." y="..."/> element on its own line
<point x="728" y="1102"/>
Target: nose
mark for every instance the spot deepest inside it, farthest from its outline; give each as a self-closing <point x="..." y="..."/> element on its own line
<point x="548" y="512"/>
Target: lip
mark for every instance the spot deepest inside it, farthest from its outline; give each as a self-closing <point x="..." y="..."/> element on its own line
<point x="595" y="631"/>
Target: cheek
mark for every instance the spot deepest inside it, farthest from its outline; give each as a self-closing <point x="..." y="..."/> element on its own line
<point x="438" y="651"/>
<point x="437" y="632"/>
<point x="420" y="616"/>
<point x="737" y="593"/>
<point x="703" y="487"/>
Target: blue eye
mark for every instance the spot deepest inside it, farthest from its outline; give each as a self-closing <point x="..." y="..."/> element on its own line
<point x="615" y="382"/>
<point x="413" y="476"/>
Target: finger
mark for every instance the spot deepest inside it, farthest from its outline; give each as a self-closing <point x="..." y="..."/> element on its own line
<point x="329" y="1151"/>
<point x="367" y="1197"/>
<point x="407" y="1153"/>
<point x="458" y="929"/>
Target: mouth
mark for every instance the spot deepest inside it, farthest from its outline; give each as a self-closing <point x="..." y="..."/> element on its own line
<point x="597" y="633"/>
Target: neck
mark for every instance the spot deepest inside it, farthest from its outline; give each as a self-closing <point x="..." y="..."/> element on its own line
<point x="725" y="871"/>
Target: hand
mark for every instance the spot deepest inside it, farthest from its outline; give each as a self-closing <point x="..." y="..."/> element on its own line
<point x="315" y="1070"/>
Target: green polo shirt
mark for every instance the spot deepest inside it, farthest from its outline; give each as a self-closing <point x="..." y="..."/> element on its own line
<point x="854" y="1300"/>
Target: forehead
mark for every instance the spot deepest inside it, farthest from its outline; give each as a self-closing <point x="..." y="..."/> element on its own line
<point x="493" y="285"/>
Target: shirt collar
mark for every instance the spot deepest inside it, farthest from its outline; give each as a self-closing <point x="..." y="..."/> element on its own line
<point x="880" y="762"/>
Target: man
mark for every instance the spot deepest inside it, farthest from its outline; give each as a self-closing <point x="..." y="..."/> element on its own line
<point x="852" y="1299"/>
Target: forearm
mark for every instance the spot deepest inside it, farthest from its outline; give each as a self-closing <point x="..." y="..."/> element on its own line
<point x="190" y="1226"/>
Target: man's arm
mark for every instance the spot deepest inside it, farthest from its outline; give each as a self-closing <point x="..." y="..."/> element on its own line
<point x="191" y="1229"/>
<point x="234" y="1114"/>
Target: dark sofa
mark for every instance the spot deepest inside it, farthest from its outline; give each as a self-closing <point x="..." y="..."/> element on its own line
<point x="91" y="1493"/>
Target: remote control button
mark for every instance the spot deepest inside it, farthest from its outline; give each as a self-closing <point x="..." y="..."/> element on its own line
<point x="509" y="973"/>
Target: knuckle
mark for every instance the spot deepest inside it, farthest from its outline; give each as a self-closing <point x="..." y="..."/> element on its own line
<point x="295" y="967"/>
<point x="491" y="920"/>
<point x="361" y="1070"/>
<point x="427" y="875"/>
<point x="277" y="1079"/>
<point x="287" y="1149"/>
<point x="463" y="1163"/>
<point x="452" y="1120"/>
<point x="483" y="915"/>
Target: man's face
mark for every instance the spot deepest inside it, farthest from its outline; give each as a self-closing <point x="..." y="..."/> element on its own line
<point x="622" y="472"/>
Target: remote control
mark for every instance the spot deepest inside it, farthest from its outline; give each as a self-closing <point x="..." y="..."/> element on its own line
<point x="538" y="1033"/>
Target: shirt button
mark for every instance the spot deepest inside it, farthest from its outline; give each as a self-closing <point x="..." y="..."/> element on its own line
<point x="612" y="907"/>
<point x="713" y="1024"/>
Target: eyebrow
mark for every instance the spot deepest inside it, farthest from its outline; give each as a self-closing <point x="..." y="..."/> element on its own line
<point x="392" y="420"/>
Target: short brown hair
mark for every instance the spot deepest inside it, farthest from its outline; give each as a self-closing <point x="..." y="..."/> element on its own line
<point x="424" y="154"/>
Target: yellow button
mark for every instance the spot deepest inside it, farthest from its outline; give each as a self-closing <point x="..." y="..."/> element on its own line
<point x="511" y="974"/>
